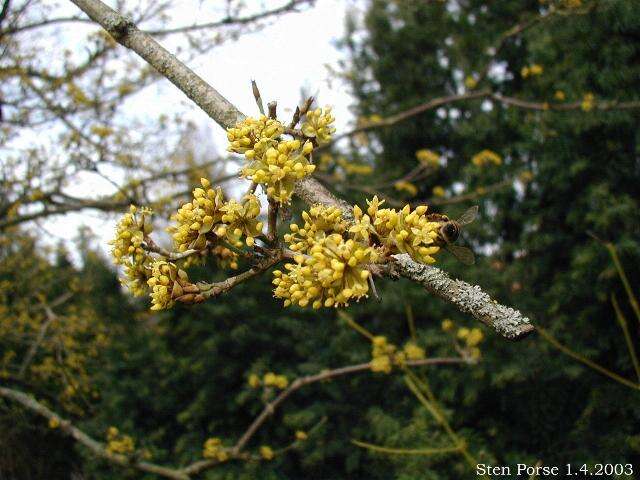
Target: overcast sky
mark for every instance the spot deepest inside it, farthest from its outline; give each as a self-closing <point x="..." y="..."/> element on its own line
<point x="291" y="54"/>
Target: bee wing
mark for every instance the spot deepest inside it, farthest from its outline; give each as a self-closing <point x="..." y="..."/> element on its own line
<point x="463" y="254"/>
<point x="468" y="216"/>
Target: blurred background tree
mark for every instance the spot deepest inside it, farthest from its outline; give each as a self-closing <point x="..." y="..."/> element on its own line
<point x="548" y="177"/>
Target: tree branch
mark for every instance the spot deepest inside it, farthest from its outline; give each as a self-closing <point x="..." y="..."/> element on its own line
<point x="271" y="407"/>
<point x="310" y="190"/>
<point x="467" y="298"/>
<point x="96" y="447"/>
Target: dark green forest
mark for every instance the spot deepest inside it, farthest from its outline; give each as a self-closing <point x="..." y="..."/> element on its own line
<point x="561" y="198"/>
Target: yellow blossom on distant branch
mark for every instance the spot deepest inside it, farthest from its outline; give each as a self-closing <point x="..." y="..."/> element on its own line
<point x="318" y="124"/>
<point x="470" y="82"/>
<point x="447" y="325"/>
<point x="438" y="191"/>
<point x="428" y="158"/>
<point x="214" y="450"/>
<point x="531" y="70"/>
<point x="588" y="102"/>
<point x="405" y="186"/>
<point x="266" y="452"/>
<point x="486" y="157"/>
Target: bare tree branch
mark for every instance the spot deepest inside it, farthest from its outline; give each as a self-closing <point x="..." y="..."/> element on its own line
<point x="508" y="322"/>
<point x="271" y="407"/>
<point x="96" y="447"/>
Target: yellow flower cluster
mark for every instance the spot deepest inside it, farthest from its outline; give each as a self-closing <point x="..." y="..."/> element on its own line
<point x="331" y="265"/>
<point x="472" y="337"/>
<point x="127" y="248"/>
<point x="404" y="231"/>
<point x="404" y="186"/>
<point x="117" y="443"/>
<point x="559" y="96"/>
<point x="169" y="283"/>
<point x="318" y="125"/>
<point x="267" y="452"/>
<point x="588" y="102"/>
<point x="319" y="222"/>
<point x="240" y="219"/>
<point x="470" y="82"/>
<point x="486" y="157"/>
<point x="255" y="135"/>
<point x="196" y="220"/>
<point x="330" y="273"/>
<point x="385" y="355"/>
<point x="531" y="70"/>
<point x="438" y="191"/>
<point x="254" y="381"/>
<point x="428" y="158"/>
<point x="352" y="168"/>
<point x="214" y="450"/>
<point x="274" y="163"/>
<point x="270" y="379"/>
<point x="301" y="435"/>
<point x="208" y="218"/>
<point x="447" y="325"/>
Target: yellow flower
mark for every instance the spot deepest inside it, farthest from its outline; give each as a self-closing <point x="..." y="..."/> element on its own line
<point x="241" y="220"/>
<point x="413" y="351"/>
<point x="214" y="450"/>
<point x="332" y="263"/>
<point x="169" y="283"/>
<point x="474" y="337"/>
<point x="301" y="435"/>
<point x="272" y="380"/>
<point x="463" y="333"/>
<point x="254" y="134"/>
<point x="447" y="325"/>
<point x="279" y="167"/>
<point x="536" y="69"/>
<point x="127" y="249"/>
<point x="381" y="364"/>
<point x="112" y="432"/>
<point x="254" y="381"/>
<point x="354" y="168"/>
<point x="404" y="231"/>
<point x="54" y="422"/>
<point x="197" y="220"/>
<point x="470" y="82"/>
<point x="438" y="191"/>
<point x="318" y="125"/>
<point x="266" y="452"/>
<point x="531" y="70"/>
<point x="428" y="158"/>
<point x="117" y="443"/>
<point x="331" y="273"/>
<point x="559" y="96"/>
<point x="381" y="355"/>
<point x="486" y="157"/>
<point x="272" y="162"/>
<point x="588" y="102"/>
<point x="404" y="186"/>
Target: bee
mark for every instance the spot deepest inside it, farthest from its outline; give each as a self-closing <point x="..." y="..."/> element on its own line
<point x="449" y="232"/>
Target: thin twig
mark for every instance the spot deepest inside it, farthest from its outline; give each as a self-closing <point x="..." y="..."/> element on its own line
<point x="96" y="447"/>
